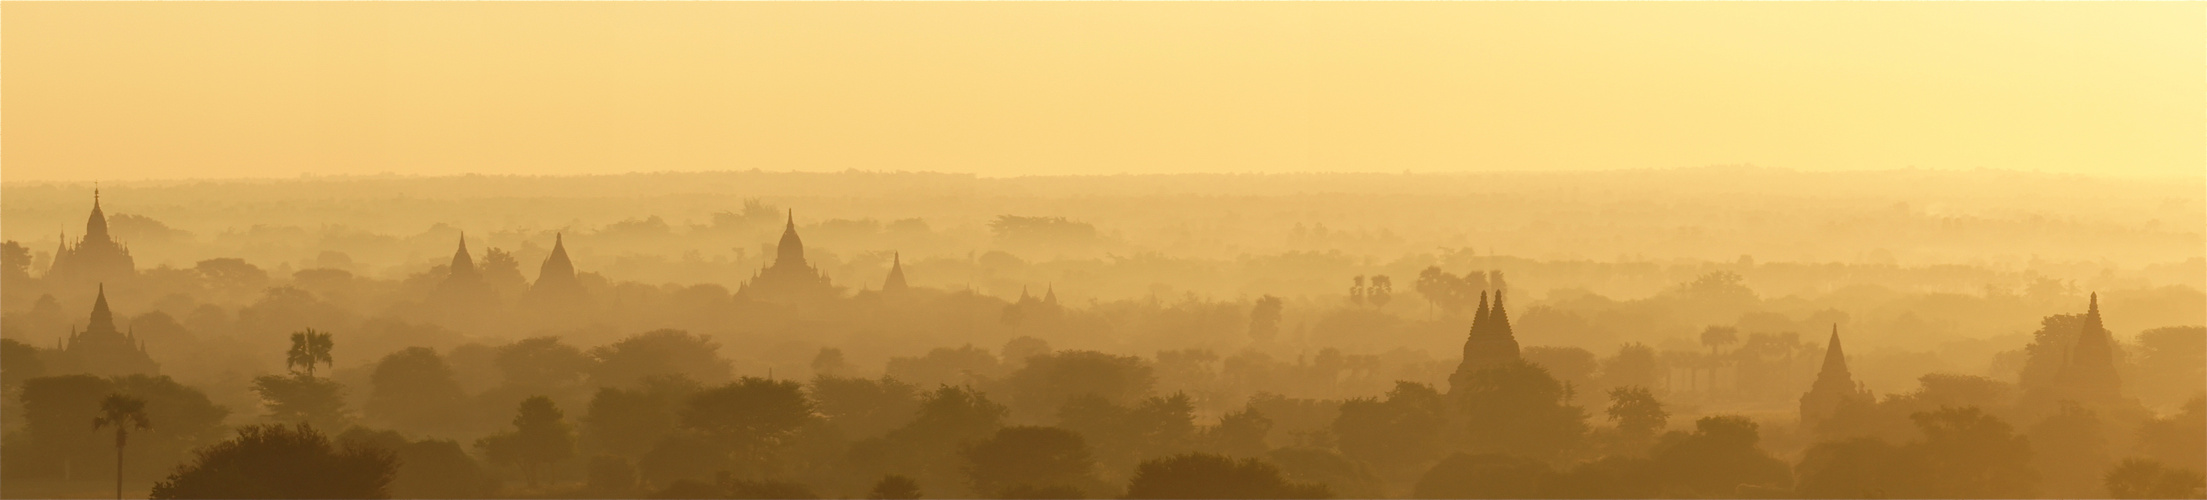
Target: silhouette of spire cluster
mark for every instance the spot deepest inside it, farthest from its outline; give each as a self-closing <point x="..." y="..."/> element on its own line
<point x="1491" y="342"/>
<point x="97" y="257"/>
<point x="102" y="349"/>
<point x="789" y="276"/>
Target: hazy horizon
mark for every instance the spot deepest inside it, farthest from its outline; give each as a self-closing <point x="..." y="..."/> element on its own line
<point x="1143" y="250"/>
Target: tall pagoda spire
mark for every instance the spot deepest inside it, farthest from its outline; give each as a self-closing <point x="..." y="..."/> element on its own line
<point x="557" y="266"/>
<point x="791" y="250"/>
<point x="1490" y="343"/>
<point x="2090" y="375"/>
<point x="896" y="274"/>
<point x="1834" y="385"/>
<point x="103" y="320"/>
<point x="462" y="264"/>
<point x="95" y="226"/>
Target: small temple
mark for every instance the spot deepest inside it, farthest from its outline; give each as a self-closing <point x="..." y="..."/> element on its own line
<point x="95" y="258"/>
<point x="789" y="277"/>
<point x="101" y="349"/>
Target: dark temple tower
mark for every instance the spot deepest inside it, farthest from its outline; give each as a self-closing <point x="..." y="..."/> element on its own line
<point x="789" y="277"/>
<point x="1491" y="342"/>
<point x="97" y="258"/>
<point x="102" y="350"/>
<point x="1834" y="386"/>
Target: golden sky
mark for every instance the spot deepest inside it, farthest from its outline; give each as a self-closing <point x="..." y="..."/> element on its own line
<point x="120" y="91"/>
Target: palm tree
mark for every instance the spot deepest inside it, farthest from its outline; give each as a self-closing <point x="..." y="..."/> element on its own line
<point x="123" y="412"/>
<point x="307" y="348"/>
<point x="1715" y="337"/>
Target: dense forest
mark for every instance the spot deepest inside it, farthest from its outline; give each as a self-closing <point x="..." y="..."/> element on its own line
<point x="1721" y="332"/>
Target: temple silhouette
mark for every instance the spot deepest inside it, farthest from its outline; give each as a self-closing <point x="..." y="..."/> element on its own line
<point x="1491" y="343"/>
<point x="2087" y="375"/>
<point x="101" y="349"/>
<point x="895" y="281"/>
<point x="95" y="258"/>
<point x="1834" y="386"/>
<point x="789" y="278"/>
<point x="556" y="285"/>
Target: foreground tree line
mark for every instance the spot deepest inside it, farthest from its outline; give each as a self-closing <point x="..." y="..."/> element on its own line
<point x="1507" y="430"/>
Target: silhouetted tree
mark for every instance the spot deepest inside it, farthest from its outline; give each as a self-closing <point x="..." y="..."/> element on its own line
<point x="543" y="365"/>
<point x="1340" y="475"/>
<point x="1397" y="434"/>
<point x="302" y="399"/>
<point x="1860" y="468"/>
<point x="122" y="413"/>
<point x="541" y="437"/>
<point x="2070" y="452"/>
<point x="413" y="389"/>
<point x="762" y="489"/>
<point x="1634" y="364"/>
<point x="2175" y="439"/>
<point x="1638" y="415"/>
<point x="1517" y="409"/>
<point x="1485" y="476"/>
<point x="829" y="363"/>
<point x="1031" y="456"/>
<point x="2145" y="478"/>
<point x="1203" y="475"/>
<point x="750" y="416"/>
<point x="1264" y="319"/>
<point x="862" y="407"/>
<point x="1719" y="459"/>
<point x="1047" y="382"/>
<point x="680" y="458"/>
<point x="1973" y="455"/>
<point x="628" y="422"/>
<point x="307" y="348"/>
<point x="948" y="417"/>
<point x="50" y="436"/>
<point x="1124" y="434"/>
<point x="1381" y="292"/>
<point x="1608" y="477"/>
<point x="1238" y="434"/>
<point x="894" y="487"/>
<point x="277" y="461"/>
<point x="430" y="468"/>
<point x="659" y="352"/>
<point x="18" y="362"/>
<point x="1716" y="337"/>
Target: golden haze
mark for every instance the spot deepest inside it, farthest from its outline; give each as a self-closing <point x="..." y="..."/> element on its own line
<point x="122" y="91"/>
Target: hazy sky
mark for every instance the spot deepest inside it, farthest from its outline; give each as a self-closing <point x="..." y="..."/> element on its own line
<point x="136" y="90"/>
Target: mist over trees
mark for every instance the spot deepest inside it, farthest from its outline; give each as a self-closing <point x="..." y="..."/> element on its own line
<point x="1127" y="337"/>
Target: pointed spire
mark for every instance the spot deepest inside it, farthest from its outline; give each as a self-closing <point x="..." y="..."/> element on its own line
<point x="1050" y="295"/>
<point x="2090" y="374"/>
<point x="95" y="226"/>
<point x="1835" y="358"/>
<point x="462" y="264"/>
<point x="557" y="270"/>
<point x="896" y="274"/>
<point x="1479" y="318"/>
<point x="103" y="320"/>
<point x="791" y="251"/>
<point x="1498" y="320"/>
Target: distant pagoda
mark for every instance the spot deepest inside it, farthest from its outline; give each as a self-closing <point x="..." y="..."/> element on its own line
<point x="1834" y="386"/>
<point x="895" y="281"/>
<point x="555" y="280"/>
<point x="789" y="277"/>
<point x="1491" y="343"/>
<point x="96" y="258"/>
<point x="101" y="349"/>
